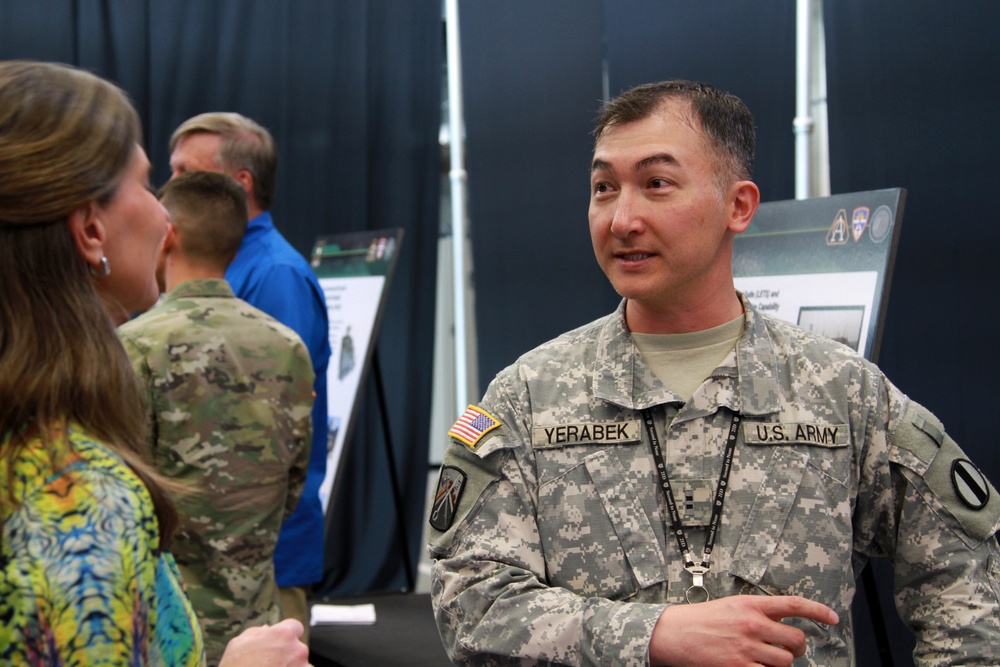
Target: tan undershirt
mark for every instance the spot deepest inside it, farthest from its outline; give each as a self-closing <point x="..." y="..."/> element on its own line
<point x="683" y="361"/>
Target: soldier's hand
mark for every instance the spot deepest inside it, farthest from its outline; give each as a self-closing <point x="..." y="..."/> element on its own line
<point x="742" y="630"/>
<point x="275" y="645"/>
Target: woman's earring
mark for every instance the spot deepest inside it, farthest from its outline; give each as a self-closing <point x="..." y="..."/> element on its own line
<point x="102" y="272"/>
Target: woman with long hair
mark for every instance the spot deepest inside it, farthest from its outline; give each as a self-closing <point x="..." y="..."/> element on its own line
<point x="86" y="576"/>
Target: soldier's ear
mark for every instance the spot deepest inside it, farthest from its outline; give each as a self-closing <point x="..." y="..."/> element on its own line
<point x="745" y="197"/>
<point x="170" y="239"/>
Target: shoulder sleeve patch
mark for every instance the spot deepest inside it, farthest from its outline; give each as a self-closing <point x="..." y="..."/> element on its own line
<point x="451" y="481"/>
<point x="970" y="484"/>
<point x="954" y="480"/>
<point x="472" y="426"/>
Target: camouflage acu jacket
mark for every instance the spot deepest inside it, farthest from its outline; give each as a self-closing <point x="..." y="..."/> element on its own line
<point x="230" y="393"/>
<point x="547" y="528"/>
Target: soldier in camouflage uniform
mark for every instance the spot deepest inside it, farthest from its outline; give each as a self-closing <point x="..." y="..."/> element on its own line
<point x="688" y="481"/>
<point x="230" y="398"/>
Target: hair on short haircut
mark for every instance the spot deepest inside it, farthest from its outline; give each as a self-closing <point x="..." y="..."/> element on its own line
<point x="209" y="211"/>
<point x="724" y="118"/>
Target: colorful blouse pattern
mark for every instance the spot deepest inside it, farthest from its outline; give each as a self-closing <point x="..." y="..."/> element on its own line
<point x="82" y="580"/>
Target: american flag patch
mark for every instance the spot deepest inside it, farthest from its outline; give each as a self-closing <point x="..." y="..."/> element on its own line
<point x="472" y="426"/>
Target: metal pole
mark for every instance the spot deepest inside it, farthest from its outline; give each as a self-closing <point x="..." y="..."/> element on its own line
<point x="458" y="177"/>
<point x="803" y="123"/>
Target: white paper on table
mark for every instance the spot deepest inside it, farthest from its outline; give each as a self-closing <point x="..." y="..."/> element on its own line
<point x="346" y="614"/>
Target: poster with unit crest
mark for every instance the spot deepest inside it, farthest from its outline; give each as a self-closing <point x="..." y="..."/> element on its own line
<point x="354" y="270"/>
<point x="824" y="264"/>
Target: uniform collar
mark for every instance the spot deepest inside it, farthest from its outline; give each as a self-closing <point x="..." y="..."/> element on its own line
<point x="747" y="380"/>
<point x="757" y="365"/>
<point x="199" y="287"/>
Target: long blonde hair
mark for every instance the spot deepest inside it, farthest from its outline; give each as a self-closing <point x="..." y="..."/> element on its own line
<point x="66" y="139"/>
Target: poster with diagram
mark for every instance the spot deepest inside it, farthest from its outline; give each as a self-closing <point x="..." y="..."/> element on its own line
<point x="354" y="271"/>
<point x="824" y="264"/>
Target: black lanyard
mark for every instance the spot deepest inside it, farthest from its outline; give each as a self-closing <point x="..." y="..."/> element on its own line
<point x="697" y="570"/>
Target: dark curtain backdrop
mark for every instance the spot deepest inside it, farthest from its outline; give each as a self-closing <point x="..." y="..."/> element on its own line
<point x="351" y="91"/>
<point x="912" y="103"/>
<point x="532" y="79"/>
<point x="911" y="100"/>
<point x="745" y="48"/>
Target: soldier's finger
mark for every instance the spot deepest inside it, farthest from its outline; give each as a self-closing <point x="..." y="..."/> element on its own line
<point x="789" y="643"/>
<point x="776" y="655"/>
<point x="793" y="606"/>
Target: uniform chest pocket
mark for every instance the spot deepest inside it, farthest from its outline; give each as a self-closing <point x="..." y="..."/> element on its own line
<point x="597" y="536"/>
<point x="797" y="535"/>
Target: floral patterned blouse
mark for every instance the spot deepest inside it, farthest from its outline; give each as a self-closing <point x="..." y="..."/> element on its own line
<point x="82" y="580"/>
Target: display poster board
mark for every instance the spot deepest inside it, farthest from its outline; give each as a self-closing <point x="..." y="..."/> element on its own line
<point x="354" y="271"/>
<point x="824" y="264"/>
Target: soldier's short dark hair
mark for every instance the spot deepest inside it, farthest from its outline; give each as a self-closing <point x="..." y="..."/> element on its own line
<point x="209" y="210"/>
<point x="725" y="119"/>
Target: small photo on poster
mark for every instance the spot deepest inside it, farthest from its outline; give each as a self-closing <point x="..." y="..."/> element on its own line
<point x="841" y="323"/>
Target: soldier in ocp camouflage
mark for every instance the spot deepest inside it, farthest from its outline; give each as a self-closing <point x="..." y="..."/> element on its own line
<point x="230" y="391"/>
<point x="230" y="394"/>
<point x="548" y="531"/>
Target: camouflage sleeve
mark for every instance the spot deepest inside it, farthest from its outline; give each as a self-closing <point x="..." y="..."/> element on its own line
<point x="946" y="555"/>
<point x="301" y="397"/>
<point x="140" y="365"/>
<point x="491" y="600"/>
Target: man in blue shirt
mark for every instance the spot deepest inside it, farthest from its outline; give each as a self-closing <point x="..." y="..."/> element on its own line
<point x="272" y="276"/>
